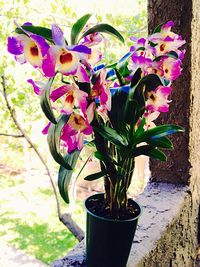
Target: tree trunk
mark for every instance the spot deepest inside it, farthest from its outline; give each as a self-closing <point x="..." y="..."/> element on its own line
<point x="176" y="169"/>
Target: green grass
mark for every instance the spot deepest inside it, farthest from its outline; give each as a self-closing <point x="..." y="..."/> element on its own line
<point x="28" y="218"/>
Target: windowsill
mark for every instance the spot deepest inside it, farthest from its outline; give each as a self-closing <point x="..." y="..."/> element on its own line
<point x="160" y="230"/>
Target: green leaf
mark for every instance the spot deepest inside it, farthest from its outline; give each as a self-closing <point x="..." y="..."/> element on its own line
<point x="116" y="114"/>
<point x="140" y="129"/>
<point x="156" y="154"/>
<point x="162" y="142"/>
<point x="105" y="158"/>
<point x="77" y="28"/>
<point x="131" y="112"/>
<point x="53" y="139"/>
<point x="140" y="150"/>
<point x="158" y="28"/>
<point x="104" y="28"/>
<point x="158" y="132"/>
<point x="42" y="31"/>
<point x="149" y="151"/>
<point x="64" y="175"/>
<point x="120" y="77"/>
<point x="45" y="102"/>
<point x="151" y="81"/>
<point x="111" y="135"/>
<point x="95" y="176"/>
<point x="171" y="54"/>
<point x="136" y="77"/>
<point x="111" y="66"/>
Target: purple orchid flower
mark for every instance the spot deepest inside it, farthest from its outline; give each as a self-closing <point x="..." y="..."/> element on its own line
<point x="28" y="47"/>
<point x="63" y="58"/>
<point x="74" y="97"/>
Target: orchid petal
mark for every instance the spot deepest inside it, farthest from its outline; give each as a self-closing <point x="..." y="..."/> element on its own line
<point x="81" y="100"/>
<point x="27" y="24"/>
<point x="69" y="103"/>
<point x="80" y="141"/>
<point x="59" y="92"/>
<point x="49" y="61"/>
<point x="95" y="56"/>
<point x="43" y="45"/>
<point x="88" y="130"/>
<point x="46" y="128"/>
<point x="20" y="59"/>
<point x="90" y="112"/>
<point x="82" y="75"/>
<point x="57" y="35"/>
<point x="37" y="86"/>
<point x="80" y="48"/>
<point x="14" y="46"/>
<point x="157" y="100"/>
<point x="32" y="53"/>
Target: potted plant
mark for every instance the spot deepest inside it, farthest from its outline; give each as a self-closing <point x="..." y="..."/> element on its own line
<point x="111" y="107"/>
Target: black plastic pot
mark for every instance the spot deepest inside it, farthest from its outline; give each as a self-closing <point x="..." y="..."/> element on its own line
<point x="108" y="242"/>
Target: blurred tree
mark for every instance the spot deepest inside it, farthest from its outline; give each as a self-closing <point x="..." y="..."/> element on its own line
<point x="64" y="13"/>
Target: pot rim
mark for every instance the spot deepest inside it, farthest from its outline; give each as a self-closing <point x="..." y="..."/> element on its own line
<point x="112" y="220"/>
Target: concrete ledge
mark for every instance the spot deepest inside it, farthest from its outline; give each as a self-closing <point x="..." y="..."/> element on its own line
<point x="165" y="236"/>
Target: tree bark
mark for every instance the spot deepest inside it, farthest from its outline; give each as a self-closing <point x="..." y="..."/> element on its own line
<point x="176" y="169"/>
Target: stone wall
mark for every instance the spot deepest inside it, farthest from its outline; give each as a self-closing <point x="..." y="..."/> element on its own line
<point x="194" y="145"/>
<point x="164" y="237"/>
<point x="167" y="240"/>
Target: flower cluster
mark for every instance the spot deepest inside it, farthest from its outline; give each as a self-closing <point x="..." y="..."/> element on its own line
<point x="110" y="106"/>
<point x="87" y="91"/>
<point x="160" y="54"/>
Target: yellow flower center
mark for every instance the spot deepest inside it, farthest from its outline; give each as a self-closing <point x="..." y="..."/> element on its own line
<point x="77" y="122"/>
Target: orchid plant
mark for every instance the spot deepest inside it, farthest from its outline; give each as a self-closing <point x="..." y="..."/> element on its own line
<point x="110" y="107"/>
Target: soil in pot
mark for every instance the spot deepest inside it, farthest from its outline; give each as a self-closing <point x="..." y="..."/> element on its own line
<point x="109" y="240"/>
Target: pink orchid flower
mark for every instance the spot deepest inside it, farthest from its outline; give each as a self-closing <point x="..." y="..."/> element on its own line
<point x="63" y="58"/>
<point x="157" y="100"/>
<point x="139" y="62"/>
<point x="156" y="67"/>
<point x="171" y="68"/>
<point x="150" y="118"/>
<point x="101" y="89"/>
<point x="74" y="97"/>
<point x="76" y="129"/>
<point x="166" y="40"/>
<point x="139" y="46"/>
<point x="94" y="57"/>
<point x="38" y="86"/>
<point x="28" y="47"/>
<point x="103" y="112"/>
<point x="91" y="39"/>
